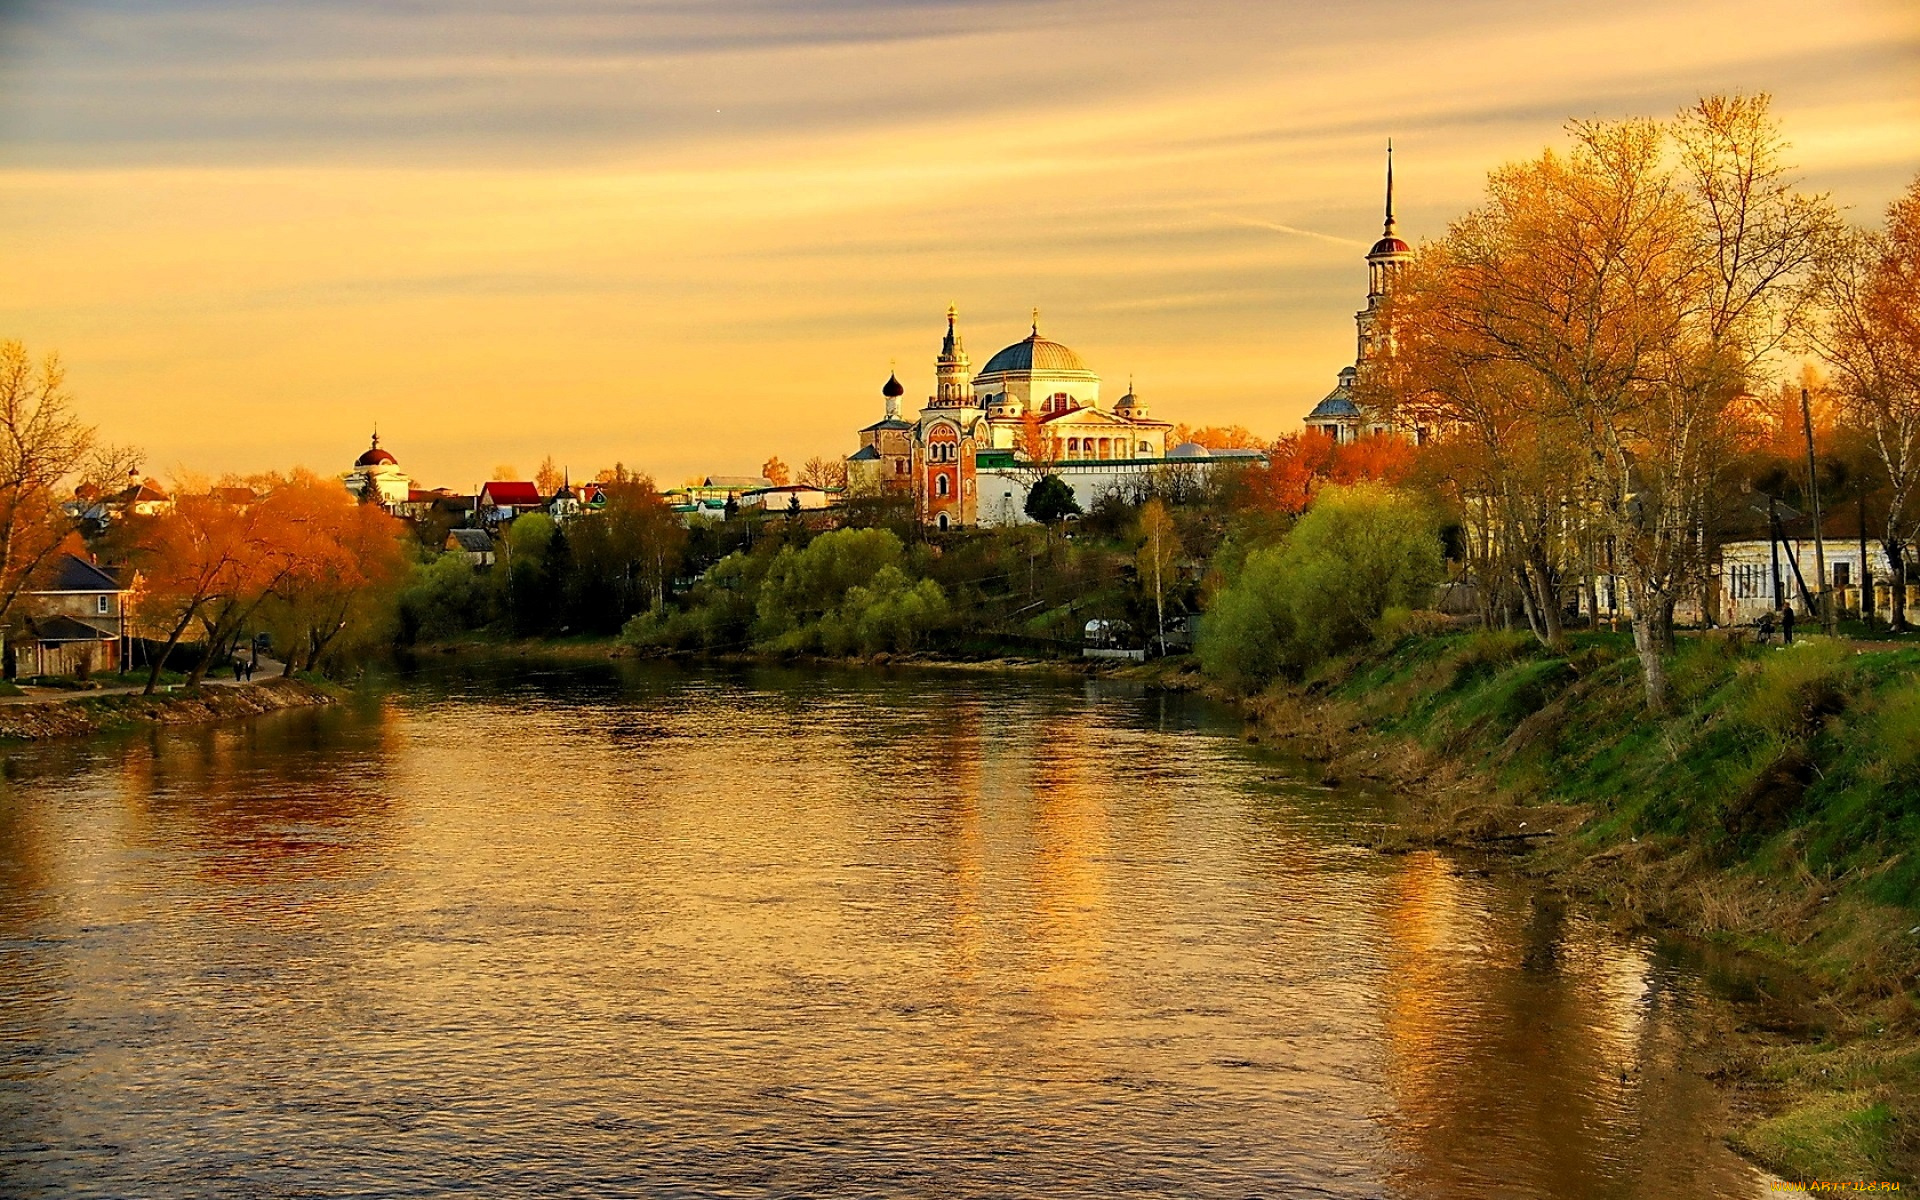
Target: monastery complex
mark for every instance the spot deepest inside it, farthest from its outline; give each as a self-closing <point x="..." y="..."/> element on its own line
<point x="983" y="439"/>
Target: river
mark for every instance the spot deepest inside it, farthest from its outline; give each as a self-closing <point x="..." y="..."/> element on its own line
<point x="653" y="931"/>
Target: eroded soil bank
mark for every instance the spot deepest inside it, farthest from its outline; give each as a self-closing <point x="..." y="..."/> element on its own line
<point x="84" y="714"/>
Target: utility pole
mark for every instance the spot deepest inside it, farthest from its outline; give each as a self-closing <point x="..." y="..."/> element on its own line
<point x="1773" y="547"/>
<point x="1159" y="610"/>
<point x="1866" y="566"/>
<point x="1819" y="540"/>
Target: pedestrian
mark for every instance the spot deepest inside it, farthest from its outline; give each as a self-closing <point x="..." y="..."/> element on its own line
<point x="239" y="665"/>
<point x="1786" y="626"/>
<point x="249" y="670"/>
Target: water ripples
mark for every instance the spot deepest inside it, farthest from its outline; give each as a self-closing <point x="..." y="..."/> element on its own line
<point x="651" y="932"/>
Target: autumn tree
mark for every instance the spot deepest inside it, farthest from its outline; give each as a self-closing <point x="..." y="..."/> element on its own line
<point x="775" y="472"/>
<point x="549" y="477"/>
<point x="1300" y="464"/>
<point x="827" y="474"/>
<point x="1640" y="284"/>
<point x="1869" y="332"/>
<point x="1508" y="466"/>
<point x="1036" y="445"/>
<point x="1218" y="437"/>
<point x="345" y="564"/>
<point x="1156" y="561"/>
<point x="199" y="554"/>
<point x="45" y="450"/>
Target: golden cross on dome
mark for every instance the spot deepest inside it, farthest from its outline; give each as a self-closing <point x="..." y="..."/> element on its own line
<point x="1036" y="322"/>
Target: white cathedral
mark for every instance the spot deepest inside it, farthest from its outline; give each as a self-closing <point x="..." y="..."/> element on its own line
<point x="970" y="454"/>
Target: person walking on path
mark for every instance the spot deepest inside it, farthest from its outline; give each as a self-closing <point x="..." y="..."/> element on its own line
<point x="1786" y="626"/>
<point x="247" y="671"/>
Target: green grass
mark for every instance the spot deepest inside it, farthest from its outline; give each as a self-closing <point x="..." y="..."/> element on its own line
<point x="1845" y="1135"/>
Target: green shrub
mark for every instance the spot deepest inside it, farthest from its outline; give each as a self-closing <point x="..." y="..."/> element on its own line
<point x="801" y="586"/>
<point x="1357" y="553"/>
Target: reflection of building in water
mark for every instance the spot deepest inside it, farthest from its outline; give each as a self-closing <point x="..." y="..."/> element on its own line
<point x="1070" y="835"/>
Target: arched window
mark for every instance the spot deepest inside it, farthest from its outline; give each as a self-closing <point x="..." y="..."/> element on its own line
<point x="941" y="485"/>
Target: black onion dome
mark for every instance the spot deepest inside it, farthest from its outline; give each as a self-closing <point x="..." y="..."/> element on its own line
<point x="892" y="387"/>
<point x="1387" y="245"/>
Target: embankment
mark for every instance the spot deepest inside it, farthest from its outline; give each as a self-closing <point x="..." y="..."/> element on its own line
<point x="99" y="714"/>
<point x="1775" y="810"/>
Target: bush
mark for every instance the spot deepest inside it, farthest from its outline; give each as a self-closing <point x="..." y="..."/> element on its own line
<point x="1791" y="691"/>
<point x="892" y="613"/>
<point x="442" y="599"/>
<point x="1357" y="553"/>
<point x="801" y="586"/>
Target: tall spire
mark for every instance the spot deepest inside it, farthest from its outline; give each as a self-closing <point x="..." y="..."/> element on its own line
<point x="1389" y="187"/>
<point x="952" y="380"/>
<point x="950" y="346"/>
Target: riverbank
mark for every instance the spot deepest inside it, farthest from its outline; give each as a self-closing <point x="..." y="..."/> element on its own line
<point x="85" y="714"/>
<point x="1776" y="811"/>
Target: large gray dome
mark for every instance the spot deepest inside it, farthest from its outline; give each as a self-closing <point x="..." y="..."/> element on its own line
<point x="1034" y="353"/>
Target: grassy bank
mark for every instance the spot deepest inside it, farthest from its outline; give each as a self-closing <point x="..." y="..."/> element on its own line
<point x="102" y="714"/>
<point x="1777" y="810"/>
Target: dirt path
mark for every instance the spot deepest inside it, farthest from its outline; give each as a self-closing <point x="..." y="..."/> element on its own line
<point x="268" y="669"/>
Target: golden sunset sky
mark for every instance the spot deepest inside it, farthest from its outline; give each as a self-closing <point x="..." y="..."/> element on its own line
<point x="687" y="235"/>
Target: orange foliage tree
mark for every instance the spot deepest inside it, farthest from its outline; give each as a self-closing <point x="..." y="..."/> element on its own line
<point x="346" y="559"/>
<point x="302" y="543"/>
<point x="44" y="447"/>
<point x="1300" y="464"/>
<point x="1870" y="333"/>
<point x="1640" y="285"/>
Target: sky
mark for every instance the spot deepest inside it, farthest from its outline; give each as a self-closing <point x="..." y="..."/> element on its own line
<point x="688" y="235"/>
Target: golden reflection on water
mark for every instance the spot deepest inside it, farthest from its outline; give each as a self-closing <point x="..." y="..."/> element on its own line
<point x="710" y="933"/>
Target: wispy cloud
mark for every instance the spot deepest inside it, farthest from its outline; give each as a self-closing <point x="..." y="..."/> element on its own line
<point x="281" y="220"/>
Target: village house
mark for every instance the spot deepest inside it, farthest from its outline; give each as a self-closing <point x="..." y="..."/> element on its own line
<point x="503" y="500"/>
<point x="77" y="622"/>
<point x="476" y="544"/>
<point x="798" y="497"/>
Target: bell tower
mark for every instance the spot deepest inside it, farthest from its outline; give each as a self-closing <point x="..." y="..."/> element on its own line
<point x="1385" y="261"/>
<point x="953" y="381"/>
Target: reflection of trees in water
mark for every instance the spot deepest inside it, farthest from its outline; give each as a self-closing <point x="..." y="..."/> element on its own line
<point x="1521" y="1041"/>
<point x="302" y="795"/>
<point x="28" y="840"/>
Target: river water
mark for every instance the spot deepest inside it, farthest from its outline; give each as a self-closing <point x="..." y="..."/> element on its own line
<point x="650" y="931"/>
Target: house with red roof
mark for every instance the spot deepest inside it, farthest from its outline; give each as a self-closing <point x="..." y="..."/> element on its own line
<point x="503" y="500"/>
